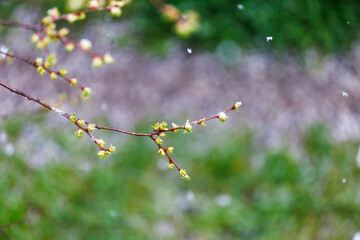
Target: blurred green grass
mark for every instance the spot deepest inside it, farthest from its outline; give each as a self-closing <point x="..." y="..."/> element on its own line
<point x="237" y="191"/>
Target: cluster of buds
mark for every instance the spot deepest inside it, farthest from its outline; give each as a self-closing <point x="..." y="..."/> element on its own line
<point x="174" y="125"/>
<point x="222" y="116"/>
<point x="185" y="24"/>
<point x="102" y="153"/>
<point x="187" y="127"/>
<point x="184" y="174"/>
<point x="160" y="126"/>
<point x="99" y="61"/>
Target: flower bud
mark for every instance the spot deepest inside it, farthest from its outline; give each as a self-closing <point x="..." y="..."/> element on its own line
<point x="86" y="92"/>
<point x="171" y="166"/>
<point x="79" y="133"/>
<point x="82" y="15"/>
<point x="97" y="62"/>
<point x="100" y="142"/>
<point x="72" y="118"/>
<point x="186" y="26"/>
<point x="158" y="141"/>
<point x="63" y="72"/>
<point x="222" y="116"/>
<point x="161" y="152"/>
<point x="162" y="134"/>
<point x="63" y="32"/>
<point x="85" y="44"/>
<point x="91" y="127"/>
<point x="171" y="13"/>
<point x="188" y="127"/>
<point x="81" y="122"/>
<point x="46" y="21"/>
<point x="69" y="47"/>
<point x="73" y="81"/>
<point x="101" y="154"/>
<point x="41" y="70"/>
<point x="38" y="61"/>
<point x="108" y="59"/>
<point x="202" y="123"/>
<point x="94" y="4"/>
<point x="34" y="38"/>
<point x="170" y="149"/>
<point x="46" y="64"/>
<point x="72" y="17"/>
<point x="184" y="174"/>
<point x="53" y="75"/>
<point x="112" y="148"/>
<point x="115" y="11"/>
<point x="237" y="105"/>
<point x="51" y="59"/>
<point x="53" y="12"/>
<point x="174" y="125"/>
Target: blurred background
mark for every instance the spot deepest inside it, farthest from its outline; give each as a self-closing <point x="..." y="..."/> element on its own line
<point x="286" y="166"/>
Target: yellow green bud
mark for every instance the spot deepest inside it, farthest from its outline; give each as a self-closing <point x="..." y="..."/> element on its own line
<point x="101" y="154"/>
<point x="63" y="32"/>
<point x="69" y="47"/>
<point x="222" y="116"/>
<point x="79" y="133"/>
<point x="72" y="17"/>
<point x="161" y="152"/>
<point x="72" y="118"/>
<point x="237" y="105"/>
<point x="85" y="44"/>
<point x="86" y="92"/>
<point x="158" y="141"/>
<point x="115" y="11"/>
<point x="63" y="72"/>
<point x="41" y="70"/>
<point x="97" y="62"/>
<point x="91" y="127"/>
<point x="108" y="59"/>
<point x="170" y="149"/>
<point x="81" y="122"/>
<point x="34" y="38"/>
<point x="73" y="81"/>
<point x="112" y="148"/>
<point x="53" y="75"/>
<point x="100" y="142"/>
<point x="188" y="127"/>
<point x="171" y="166"/>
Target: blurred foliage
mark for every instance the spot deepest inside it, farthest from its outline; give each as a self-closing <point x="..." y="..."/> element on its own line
<point x="329" y="26"/>
<point x="237" y="191"/>
<point x="319" y="24"/>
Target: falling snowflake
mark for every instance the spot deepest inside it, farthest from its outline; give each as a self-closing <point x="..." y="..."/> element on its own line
<point x="189" y="50"/>
<point x="240" y="7"/>
<point x="269" y="38"/>
<point x="344" y="180"/>
<point x="345" y="94"/>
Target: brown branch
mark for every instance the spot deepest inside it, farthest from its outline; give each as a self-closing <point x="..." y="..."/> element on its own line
<point x="64" y="114"/>
<point x="31" y="63"/>
<point x="96" y="141"/>
<point x="33" y="27"/>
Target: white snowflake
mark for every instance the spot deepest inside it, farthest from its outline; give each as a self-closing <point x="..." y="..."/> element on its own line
<point x="189" y="50"/>
<point x="269" y="38"/>
<point x="240" y="6"/>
